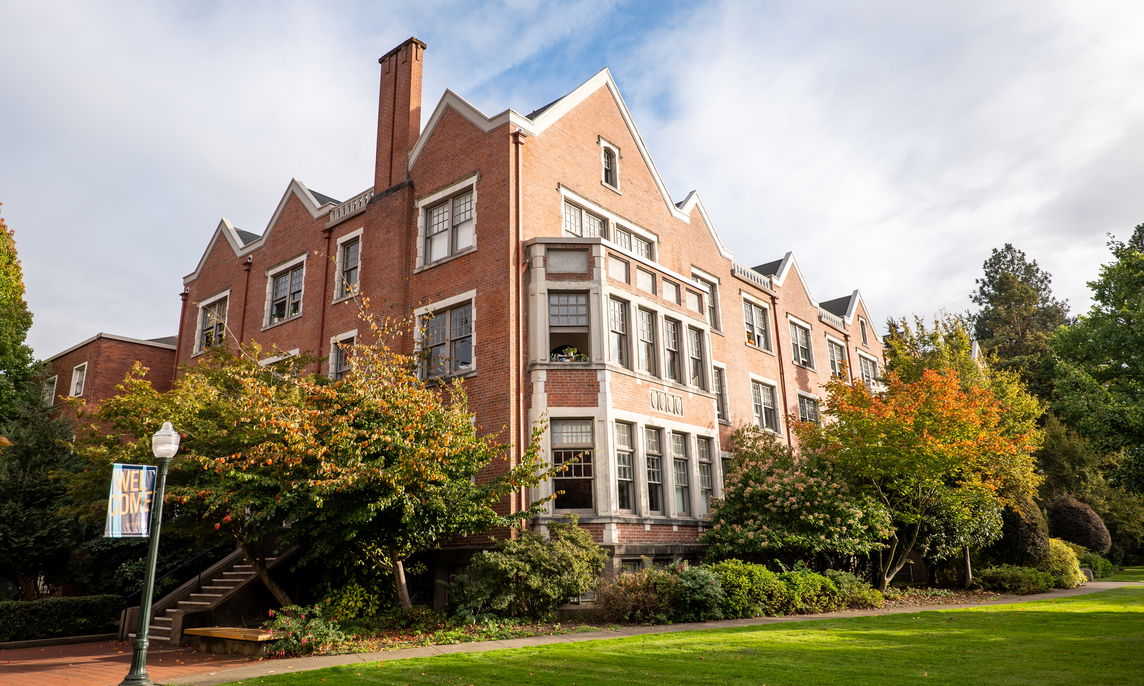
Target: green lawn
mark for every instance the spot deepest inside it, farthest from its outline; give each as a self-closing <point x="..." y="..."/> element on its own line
<point x="1127" y="574"/>
<point x="1091" y="639"/>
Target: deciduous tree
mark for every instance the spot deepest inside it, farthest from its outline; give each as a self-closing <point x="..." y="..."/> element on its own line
<point x="17" y="367"/>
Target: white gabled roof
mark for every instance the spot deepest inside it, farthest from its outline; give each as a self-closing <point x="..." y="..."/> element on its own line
<point x="553" y="113"/>
<point x="228" y="231"/>
<point x="126" y="339"/>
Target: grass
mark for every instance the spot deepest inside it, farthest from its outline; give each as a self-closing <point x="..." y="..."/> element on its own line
<point x="1091" y="639"/>
<point x="1127" y="574"/>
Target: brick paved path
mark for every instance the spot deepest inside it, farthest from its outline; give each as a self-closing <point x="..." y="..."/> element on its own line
<point x="101" y="664"/>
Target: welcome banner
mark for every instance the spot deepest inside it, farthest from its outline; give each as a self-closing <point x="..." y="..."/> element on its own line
<point x="129" y="504"/>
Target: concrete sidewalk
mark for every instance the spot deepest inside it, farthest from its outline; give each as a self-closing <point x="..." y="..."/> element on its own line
<point x="269" y="667"/>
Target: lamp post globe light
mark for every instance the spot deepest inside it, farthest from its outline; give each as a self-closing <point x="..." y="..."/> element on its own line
<point x="164" y="445"/>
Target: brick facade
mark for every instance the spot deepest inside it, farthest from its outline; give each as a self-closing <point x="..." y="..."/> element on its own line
<point x="105" y="360"/>
<point x="595" y="299"/>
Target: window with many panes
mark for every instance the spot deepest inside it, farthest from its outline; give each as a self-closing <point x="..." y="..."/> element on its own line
<point x="766" y="412"/>
<point x="720" y="380"/>
<point x="837" y="355"/>
<point x="679" y="455"/>
<point x="755" y="321"/>
<point x="618" y="331"/>
<point x="671" y="348"/>
<point x="868" y="369"/>
<point x="568" y="332"/>
<point x="79" y="377"/>
<point x="349" y="262"/>
<point x="697" y="358"/>
<point x="625" y="466"/>
<point x="653" y="440"/>
<point x="572" y="454"/>
<point x="630" y="241"/>
<point x="286" y="294"/>
<point x="807" y="409"/>
<point x="341" y="365"/>
<point x="712" y="300"/>
<point x="448" y="341"/>
<point x="703" y="451"/>
<point x="48" y="391"/>
<point x="646" y="346"/>
<point x="212" y="323"/>
<point x="581" y="223"/>
<point x="800" y="345"/>
<point x="449" y="227"/>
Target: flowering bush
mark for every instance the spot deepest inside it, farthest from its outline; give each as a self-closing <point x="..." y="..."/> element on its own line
<point x="302" y="630"/>
<point x="775" y="500"/>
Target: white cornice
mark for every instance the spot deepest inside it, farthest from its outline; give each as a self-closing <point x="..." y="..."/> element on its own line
<point x="125" y="339"/>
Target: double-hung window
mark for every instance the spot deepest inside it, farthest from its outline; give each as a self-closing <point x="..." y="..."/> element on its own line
<point x="286" y="294"/>
<point x="869" y="370"/>
<point x="349" y="261"/>
<point x="341" y="358"/>
<point x="48" y="391"/>
<point x="766" y="411"/>
<point x="449" y="227"/>
<point x="653" y="441"/>
<point x="807" y="409"/>
<point x="837" y="359"/>
<point x="712" y="302"/>
<point x="671" y="346"/>
<point x="212" y="323"/>
<point x="646" y="349"/>
<point x="862" y="329"/>
<point x="800" y="345"/>
<point x="697" y="358"/>
<point x="625" y="466"/>
<point x="703" y="455"/>
<point x="568" y="327"/>
<point x="755" y="322"/>
<point x="720" y="380"/>
<point x="79" y="377"/>
<point x="679" y="461"/>
<point x="572" y="454"/>
<point x="611" y="171"/>
<point x="581" y="223"/>
<point x="448" y="341"/>
<point x="630" y="241"/>
<point x="618" y="332"/>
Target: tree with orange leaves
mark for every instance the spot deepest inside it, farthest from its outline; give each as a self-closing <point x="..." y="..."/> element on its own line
<point x="924" y="448"/>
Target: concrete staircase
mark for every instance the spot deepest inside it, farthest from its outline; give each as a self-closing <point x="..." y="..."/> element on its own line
<point x="216" y="585"/>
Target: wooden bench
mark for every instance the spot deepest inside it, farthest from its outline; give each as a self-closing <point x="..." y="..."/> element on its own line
<point x="230" y="640"/>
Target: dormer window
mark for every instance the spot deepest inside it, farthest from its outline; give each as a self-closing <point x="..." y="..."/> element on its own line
<point x="610" y="157"/>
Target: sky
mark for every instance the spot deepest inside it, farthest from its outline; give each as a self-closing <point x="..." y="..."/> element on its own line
<point x="890" y="145"/>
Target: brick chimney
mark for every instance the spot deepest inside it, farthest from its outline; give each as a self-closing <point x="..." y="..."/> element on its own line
<point x="398" y="112"/>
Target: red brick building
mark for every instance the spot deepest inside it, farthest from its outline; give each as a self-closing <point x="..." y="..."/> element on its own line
<point x="565" y="282"/>
<point x="92" y="369"/>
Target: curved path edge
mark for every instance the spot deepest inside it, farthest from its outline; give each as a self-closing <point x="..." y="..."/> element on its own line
<point x="300" y="664"/>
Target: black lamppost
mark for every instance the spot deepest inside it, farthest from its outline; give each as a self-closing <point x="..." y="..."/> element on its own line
<point x="164" y="444"/>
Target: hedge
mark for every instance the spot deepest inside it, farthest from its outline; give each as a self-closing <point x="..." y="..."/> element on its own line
<point x="24" y="620"/>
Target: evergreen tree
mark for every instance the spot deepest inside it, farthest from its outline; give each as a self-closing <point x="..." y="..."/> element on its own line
<point x="1018" y="315"/>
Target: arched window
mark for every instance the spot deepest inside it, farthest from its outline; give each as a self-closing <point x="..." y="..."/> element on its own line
<point x="611" y="173"/>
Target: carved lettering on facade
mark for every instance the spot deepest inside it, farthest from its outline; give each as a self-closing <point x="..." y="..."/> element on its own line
<point x="670" y="403"/>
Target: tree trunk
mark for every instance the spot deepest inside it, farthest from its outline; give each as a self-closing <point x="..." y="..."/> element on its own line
<point x="259" y="565"/>
<point x="967" y="568"/>
<point x="398" y="567"/>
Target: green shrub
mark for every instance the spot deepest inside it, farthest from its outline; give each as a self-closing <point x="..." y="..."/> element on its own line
<point x="1062" y="565"/>
<point x="353" y="601"/>
<point x="810" y="592"/>
<point x="530" y="576"/>
<point x="648" y="596"/>
<point x="854" y="593"/>
<point x="302" y="630"/>
<point x="700" y="595"/>
<point x="1100" y="567"/>
<point x="1024" y="536"/>
<point x="24" y="620"/>
<point x="1018" y="580"/>
<point x="1072" y="520"/>
<point x="750" y="590"/>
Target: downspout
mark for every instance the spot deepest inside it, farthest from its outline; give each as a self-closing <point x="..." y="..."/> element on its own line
<point x="519" y="288"/>
<point x="782" y="369"/>
<point x="182" y="327"/>
<point x="328" y="232"/>
<point x="245" y="293"/>
<point x="849" y="366"/>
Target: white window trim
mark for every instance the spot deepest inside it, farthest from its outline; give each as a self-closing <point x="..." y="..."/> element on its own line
<point x="835" y="340"/>
<point x="778" y="430"/>
<point x="199" y="317"/>
<point x="50" y="398"/>
<point x="810" y="363"/>
<point x="334" y="340"/>
<point x="722" y="366"/>
<point x="567" y="195"/>
<point x="83" y="385"/>
<point x="766" y="307"/>
<point x="452" y="301"/>
<point x="286" y="354"/>
<point x="863" y="331"/>
<point x="790" y="317"/>
<point x="338" y="265"/>
<point x="868" y="356"/>
<point x="700" y="277"/>
<point x="275" y="271"/>
<point x="426" y="202"/>
<point x="808" y="394"/>
<point x="607" y="145"/>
